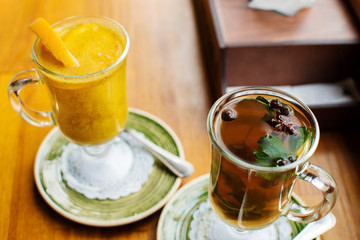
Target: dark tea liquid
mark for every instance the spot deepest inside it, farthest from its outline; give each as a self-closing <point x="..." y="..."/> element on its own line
<point x="243" y="197"/>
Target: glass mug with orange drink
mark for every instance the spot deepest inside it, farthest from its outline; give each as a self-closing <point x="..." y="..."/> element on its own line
<point x="261" y="141"/>
<point x="88" y="97"/>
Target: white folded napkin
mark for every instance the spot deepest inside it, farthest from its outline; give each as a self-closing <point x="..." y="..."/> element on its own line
<point x="285" y="7"/>
<point x="321" y="95"/>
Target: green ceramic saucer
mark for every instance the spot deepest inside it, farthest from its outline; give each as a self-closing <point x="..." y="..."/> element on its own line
<point x="161" y="185"/>
<point x="176" y="217"/>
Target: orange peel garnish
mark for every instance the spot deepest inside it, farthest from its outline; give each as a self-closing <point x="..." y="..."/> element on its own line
<point x="53" y="42"/>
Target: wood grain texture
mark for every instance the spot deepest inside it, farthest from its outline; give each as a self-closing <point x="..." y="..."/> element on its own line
<point x="241" y="26"/>
<point x="165" y="77"/>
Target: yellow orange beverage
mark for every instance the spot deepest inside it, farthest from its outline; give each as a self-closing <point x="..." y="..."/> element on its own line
<point x="89" y="101"/>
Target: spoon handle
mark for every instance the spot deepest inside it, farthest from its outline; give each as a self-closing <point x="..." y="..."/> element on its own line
<point x="314" y="229"/>
<point x="177" y="165"/>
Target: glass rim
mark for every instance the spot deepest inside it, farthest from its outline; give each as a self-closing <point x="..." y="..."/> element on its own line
<point x="117" y="62"/>
<point x="251" y="90"/>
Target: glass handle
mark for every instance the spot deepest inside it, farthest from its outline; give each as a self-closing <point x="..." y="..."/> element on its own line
<point x="326" y="184"/>
<point x="34" y="117"/>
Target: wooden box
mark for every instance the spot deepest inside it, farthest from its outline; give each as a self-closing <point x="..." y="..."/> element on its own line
<point x="243" y="46"/>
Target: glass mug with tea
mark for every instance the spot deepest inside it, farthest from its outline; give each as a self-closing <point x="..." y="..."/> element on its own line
<point x="261" y="142"/>
<point x="89" y="103"/>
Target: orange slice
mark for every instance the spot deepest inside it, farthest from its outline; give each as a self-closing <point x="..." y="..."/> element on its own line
<point x="53" y="42"/>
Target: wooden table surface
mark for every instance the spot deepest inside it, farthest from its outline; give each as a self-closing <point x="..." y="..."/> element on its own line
<point x="165" y="77"/>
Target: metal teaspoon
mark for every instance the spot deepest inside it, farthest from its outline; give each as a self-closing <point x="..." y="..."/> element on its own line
<point x="179" y="166"/>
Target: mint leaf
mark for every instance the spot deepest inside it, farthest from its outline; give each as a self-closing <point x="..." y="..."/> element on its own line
<point x="266" y="104"/>
<point x="263" y="159"/>
<point x="267" y="117"/>
<point x="270" y="149"/>
<point x="296" y="141"/>
<point x="262" y="100"/>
